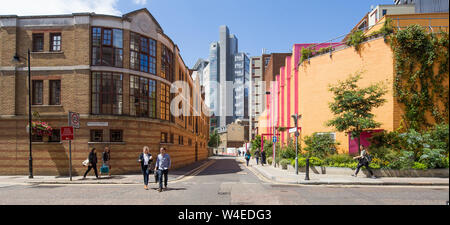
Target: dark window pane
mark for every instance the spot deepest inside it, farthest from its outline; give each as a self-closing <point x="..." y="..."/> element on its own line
<point x="144" y="44"/>
<point x="37" y="92"/>
<point x="55" y="92"/>
<point x="38" y="42"/>
<point x="96" y="56"/>
<point x="107" y="56"/>
<point x="116" y="135"/>
<point x="55" y="137"/>
<point x="96" y="135"/>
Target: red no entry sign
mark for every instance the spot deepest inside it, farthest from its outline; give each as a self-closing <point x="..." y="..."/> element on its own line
<point x="66" y="133"/>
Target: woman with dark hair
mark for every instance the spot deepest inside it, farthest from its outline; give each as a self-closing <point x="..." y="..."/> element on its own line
<point x="92" y="163"/>
<point x="106" y="157"/>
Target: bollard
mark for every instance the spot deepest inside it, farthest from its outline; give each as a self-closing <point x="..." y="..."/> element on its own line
<point x="307" y="169"/>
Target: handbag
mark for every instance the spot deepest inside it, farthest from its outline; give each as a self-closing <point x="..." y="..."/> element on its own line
<point x="86" y="162"/>
<point x="104" y="169"/>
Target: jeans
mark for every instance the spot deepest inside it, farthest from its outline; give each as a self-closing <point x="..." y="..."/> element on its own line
<point x="94" y="166"/>
<point x="160" y="177"/>
<point x="248" y="161"/>
<point x="366" y="164"/>
<point x="145" y="172"/>
<point x="257" y="159"/>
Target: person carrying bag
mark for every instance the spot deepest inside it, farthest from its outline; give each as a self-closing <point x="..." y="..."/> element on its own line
<point x="145" y="159"/>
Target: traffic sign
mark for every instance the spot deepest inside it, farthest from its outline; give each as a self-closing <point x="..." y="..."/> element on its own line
<point x="66" y="133"/>
<point x="74" y="120"/>
<point x="274" y="139"/>
<point x="293" y="130"/>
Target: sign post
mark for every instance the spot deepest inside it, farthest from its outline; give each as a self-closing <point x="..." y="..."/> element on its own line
<point x="67" y="134"/>
<point x="74" y="122"/>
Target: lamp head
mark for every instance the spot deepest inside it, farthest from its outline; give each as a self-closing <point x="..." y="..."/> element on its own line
<point x="16" y="58"/>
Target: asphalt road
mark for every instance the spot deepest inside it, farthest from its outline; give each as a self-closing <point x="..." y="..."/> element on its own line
<point x="224" y="182"/>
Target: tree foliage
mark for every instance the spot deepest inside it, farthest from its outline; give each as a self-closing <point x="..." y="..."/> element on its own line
<point x="214" y="140"/>
<point x="352" y="105"/>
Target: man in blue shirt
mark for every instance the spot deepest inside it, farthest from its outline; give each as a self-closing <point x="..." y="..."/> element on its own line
<point x="162" y="167"/>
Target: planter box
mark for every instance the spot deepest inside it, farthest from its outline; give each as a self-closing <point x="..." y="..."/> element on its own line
<point x="441" y="173"/>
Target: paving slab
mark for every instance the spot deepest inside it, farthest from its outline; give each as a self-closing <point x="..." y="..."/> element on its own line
<point x="276" y="174"/>
<point x="114" y="179"/>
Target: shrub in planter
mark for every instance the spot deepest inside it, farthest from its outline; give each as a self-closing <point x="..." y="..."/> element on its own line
<point x="337" y="158"/>
<point x="284" y="163"/>
<point x="352" y="165"/>
<point x="314" y="161"/>
<point x="419" y="166"/>
<point x="404" y="160"/>
<point x="269" y="160"/>
<point x="301" y="162"/>
<point x="374" y="166"/>
<point x="445" y="162"/>
<point x="320" y="145"/>
<point x="432" y="158"/>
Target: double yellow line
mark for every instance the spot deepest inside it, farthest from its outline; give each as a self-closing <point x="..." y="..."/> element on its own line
<point x="194" y="172"/>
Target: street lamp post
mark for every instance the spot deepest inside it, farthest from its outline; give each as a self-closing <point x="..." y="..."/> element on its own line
<point x="16" y="58"/>
<point x="296" y="117"/>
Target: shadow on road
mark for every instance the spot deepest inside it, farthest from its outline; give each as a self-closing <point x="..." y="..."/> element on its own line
<point x="223" y="165"/>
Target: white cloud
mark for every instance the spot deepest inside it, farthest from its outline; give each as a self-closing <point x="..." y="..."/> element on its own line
<point x="140" y="2"/>
<point x="54" y="7"/>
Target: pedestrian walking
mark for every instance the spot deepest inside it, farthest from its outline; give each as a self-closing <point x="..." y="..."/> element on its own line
<point x="162" y="167"/>
<point x="106" y="157"/>
<point x="247" y="156"/>
<point x="92" y="163"/>
<point x="364" y="160"/>
<point x="256" y="155"/>
<point x="145" y="158"/>
<point x="263" y="158"/>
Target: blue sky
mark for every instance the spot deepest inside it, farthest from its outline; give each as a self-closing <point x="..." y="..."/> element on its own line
<point x="272" y="24"/>
<point x="193" y="24"/>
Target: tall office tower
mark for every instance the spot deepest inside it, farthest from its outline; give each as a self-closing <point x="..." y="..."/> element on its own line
<point x="222" y="99"/>
<point x="213" y="92"/>
<point x="241" y="86"/>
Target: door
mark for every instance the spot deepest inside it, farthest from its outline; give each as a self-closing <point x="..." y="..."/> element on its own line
<point x="353" y="143"/>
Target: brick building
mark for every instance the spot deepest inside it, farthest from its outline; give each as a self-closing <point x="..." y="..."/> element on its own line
<point x="116" y="71"/>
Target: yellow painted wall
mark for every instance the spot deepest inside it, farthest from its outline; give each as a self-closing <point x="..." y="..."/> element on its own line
<point x="375" y="59"/>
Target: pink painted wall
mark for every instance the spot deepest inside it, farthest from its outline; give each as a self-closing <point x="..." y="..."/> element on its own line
<point x="353" y="143"/>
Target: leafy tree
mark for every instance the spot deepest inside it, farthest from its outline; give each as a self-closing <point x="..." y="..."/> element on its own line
<point x="256" y="144"/>
<point x="214" y="140"/>
<point x="352" y="106"/>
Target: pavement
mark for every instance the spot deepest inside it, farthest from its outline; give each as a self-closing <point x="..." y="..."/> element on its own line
<point x="174" y="175"/>
<point x="277" y="175"/>
<point x="266" y="173"/>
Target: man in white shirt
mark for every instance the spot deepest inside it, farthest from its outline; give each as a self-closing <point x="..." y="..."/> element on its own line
<point x="162" y="167"/>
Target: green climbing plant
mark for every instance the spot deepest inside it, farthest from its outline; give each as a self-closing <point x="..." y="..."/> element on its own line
<point x="421" y="75"/>
<point x="355" y="39"/>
